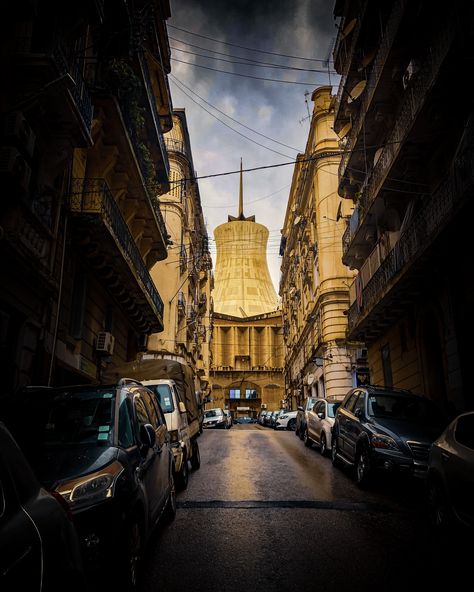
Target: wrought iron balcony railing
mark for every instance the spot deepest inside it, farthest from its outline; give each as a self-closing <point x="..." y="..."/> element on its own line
<point x="372" y="82"/>
<point x="93" y="197"/>
<point x="174" y="145"/>
<point x="416" y="238"/>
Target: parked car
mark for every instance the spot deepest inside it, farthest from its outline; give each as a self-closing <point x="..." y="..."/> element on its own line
<point x="261" y="416"/>
<point x="39" y="546"/>
<point x="451" y="474"/>
<point x="382" y="428"/>
<point x="106" y="450"/>
<point x="286" y="420"/>
<point x="268" y="418"/>
<point x="319" y="424"/>
<point x="215" y="418"/>
<point x="245" y="419"/>
<point x="302" y="415"/>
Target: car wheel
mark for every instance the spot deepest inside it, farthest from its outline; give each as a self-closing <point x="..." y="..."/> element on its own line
<point x="438" y="508"/>
<point x="363" y="470"/>
<point x="322" y="444"/>
<point x="134" y="554"/>
<point x="183" y="476"/>
<point x="307" y="440"/>
<point x="169" y="512"/>
<point x="196" y="457"/>
<point x="291" y="425"/>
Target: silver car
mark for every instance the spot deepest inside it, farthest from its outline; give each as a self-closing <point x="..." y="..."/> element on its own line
<point x="451" y="474"/>
<point x="320" y="420"/>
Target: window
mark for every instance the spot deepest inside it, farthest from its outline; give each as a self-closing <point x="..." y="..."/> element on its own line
<point x="163" y="394"/>
<point x="235" y="393"/>
<point x="140" y="410"/>
<point x="317" y="407"/>
<point x="351" y="401"/>
<point x="386" y="365"/>
<point x="250" y="394"/>
<point x="360" y="403"/>
<point x="152" y="409"/>
<point x="125" y="429"/>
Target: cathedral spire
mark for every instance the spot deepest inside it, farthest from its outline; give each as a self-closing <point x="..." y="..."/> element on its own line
<point x="241" y="194"/>
<point x="240" y="215"/>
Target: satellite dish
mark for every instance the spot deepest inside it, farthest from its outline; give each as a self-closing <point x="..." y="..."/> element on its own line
<point x="345" y="129"/>
<point x="367" y="59"/>
<point x="348" y="28"/>
<point x="357" y="91"/>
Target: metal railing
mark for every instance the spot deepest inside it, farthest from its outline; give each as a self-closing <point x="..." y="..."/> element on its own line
<point x="418" y="235"/>
<point x="93" y="197"/>
<point x="174" y="145"/>
<point x="372" y="82"/>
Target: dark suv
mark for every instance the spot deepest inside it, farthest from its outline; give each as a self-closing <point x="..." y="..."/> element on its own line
<point x="380" y="428"/>
<point x="106" y="450"/>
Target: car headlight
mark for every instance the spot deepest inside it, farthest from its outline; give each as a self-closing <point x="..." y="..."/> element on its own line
<point x="384" y="442"/>
<point x="92" y="488"/>
<point x="283" y="416"/>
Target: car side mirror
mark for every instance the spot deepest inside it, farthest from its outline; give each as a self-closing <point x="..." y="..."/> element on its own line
<point x="182" y="407"/>
<point x="321" y="415"/>
<point x="147" y="435"/>
<point x="300" y="408"/>
<point x="359" y="413"/>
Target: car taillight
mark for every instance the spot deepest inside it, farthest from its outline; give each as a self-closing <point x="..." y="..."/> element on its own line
<point x="63" y="503"/>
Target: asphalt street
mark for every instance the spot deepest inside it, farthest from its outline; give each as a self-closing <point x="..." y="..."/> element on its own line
<point x="266" y="513"/>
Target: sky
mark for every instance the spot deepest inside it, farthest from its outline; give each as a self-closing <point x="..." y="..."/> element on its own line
<point x="302" y="29"/>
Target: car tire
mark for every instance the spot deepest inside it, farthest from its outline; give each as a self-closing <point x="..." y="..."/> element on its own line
<point x="440" y="516"/>
<point x="169" y="513"/>
<point x="307" y="440"/>
<point x="196" y="457"/>
<point x="323" y="444"/>
<point x="291" y="425"/>
<point x="362" y="467"/>
<point x="132" y="560"/>
<point x="183" y="476"/>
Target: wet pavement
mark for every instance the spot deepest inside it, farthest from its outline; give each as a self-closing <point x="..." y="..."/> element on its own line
<point x="265" y="511"/>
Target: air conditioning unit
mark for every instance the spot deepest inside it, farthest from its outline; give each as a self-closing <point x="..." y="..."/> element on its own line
<point x="105" y="343"/>
<point x="13" y="165"/>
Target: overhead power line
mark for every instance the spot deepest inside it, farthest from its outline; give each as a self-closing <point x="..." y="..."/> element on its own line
<point x="253" y="65"/>
<point x="231" y="118"/>
<point x="245" y="75"/>
<point x="177" y="83"/>
<point x="283" y="55"/>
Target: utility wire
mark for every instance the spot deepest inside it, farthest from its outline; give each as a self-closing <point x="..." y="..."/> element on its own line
<point x="245" y="75"/>
<point x="253" y="65"/>
<point x="176" y="82"/>
<point x="283" y="55"/>
<point x="174" y="78"/>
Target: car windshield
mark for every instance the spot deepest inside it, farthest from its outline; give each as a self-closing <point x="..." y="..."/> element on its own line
<point x="163" y="394"/>
<point x="332" y="407"/>
<point x="76" y="417"/>
<point x="213" y="413"/>
<point x="404" y="408"/>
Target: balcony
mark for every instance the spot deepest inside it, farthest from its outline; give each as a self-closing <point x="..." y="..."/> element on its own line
<point x="377" y="68"/>
<point x="413" y="101"/>
<point x="377" y="281"/>
<point x="107" y="243"/>
<point x="174" y="145"/>
<point x="44" y="64"/>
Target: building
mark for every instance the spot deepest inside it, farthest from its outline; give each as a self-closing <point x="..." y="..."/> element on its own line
<point x="408" y="171"/>
<point x="247" y="346"/>
<point x="185" y="278"/>
<point x="83" y="161"/>
<point x="314" y="282"/>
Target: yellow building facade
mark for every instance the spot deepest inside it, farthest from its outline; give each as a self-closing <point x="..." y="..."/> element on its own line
<point x="247" y="345"/>
<point x="314" y="282"/>
<point x="185" y="277"/>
